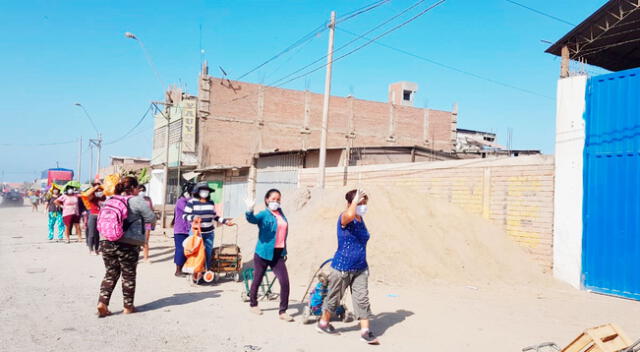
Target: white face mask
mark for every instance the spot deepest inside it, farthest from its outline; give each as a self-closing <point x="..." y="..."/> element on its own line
<point x="361" y="210"/>
<point x="142" y="193"/>
<point x="204" y="194"/>
<point x="99" y="194"/>
<point x="70" y="191"/>
<point x="186" y="195"/>
<point x="274" y="206"/>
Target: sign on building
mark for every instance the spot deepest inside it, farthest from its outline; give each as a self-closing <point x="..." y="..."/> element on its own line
<point x="189" y="126"/>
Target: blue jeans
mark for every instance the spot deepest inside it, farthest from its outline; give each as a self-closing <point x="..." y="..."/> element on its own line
<point x="208" y="247"/>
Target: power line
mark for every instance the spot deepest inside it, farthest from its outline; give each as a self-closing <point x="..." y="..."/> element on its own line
<point x="304" y="39"/>
<point x="541" y="13"/>
<point x="369" y="42"/>
<point x="352" y="41"/>
<point x="36" y="144"/>
<point x="360" y="11"/>
<point x="297" y="43"/>
<point x="449" y="67"/>
<point x="132" y="129"/>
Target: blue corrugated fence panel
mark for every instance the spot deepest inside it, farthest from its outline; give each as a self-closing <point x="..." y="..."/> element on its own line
<point x="611" y="204"/>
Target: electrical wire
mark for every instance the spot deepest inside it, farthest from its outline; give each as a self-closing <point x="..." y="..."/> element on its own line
<point x="304" y="39"/>
<point x="360" y="11"/>
<point x="297" y="43"/>
<point x="421" y="13"/>
<point x="352" y="41"/>
<point x="541" y="13"/>
<point x="36" y="144"/>
<point x="452" y="68"/>
<point x="146" y="113"/>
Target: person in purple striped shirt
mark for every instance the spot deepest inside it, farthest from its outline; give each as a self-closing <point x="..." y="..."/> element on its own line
<point x="181" y="228"/>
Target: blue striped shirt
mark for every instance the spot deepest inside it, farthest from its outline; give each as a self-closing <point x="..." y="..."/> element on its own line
<point x="205" y="210"/>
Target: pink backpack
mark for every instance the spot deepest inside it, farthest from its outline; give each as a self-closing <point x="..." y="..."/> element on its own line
<point x="111" y="218"/>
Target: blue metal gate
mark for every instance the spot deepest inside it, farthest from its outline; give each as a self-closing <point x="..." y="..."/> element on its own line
<point x="611" y="205"/>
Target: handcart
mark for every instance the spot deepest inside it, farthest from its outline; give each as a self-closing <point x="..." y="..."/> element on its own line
<point x="226" y="259"/>
<point x="603" y="338"/>
<point x="313" y="307"/>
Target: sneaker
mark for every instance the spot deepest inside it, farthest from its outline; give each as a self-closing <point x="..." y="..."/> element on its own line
<point x="328" y="329"/>
<point x="256" y="310"/>
<point x="369" y="338"/>
<point x="286" y="317"/>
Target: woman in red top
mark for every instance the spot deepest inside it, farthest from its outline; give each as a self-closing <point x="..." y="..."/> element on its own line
<point x="93" y="199"/>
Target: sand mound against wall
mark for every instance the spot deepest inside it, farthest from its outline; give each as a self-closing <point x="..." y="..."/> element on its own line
<point x="413" y="239"/>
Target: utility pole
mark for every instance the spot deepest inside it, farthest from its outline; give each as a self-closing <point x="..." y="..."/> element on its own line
<point x="325" y="105"/>
<point x="91" y="157"/>
<point x="98" y="144"/>
<point x="166" y="162"/>
<point x="80" y="160"/>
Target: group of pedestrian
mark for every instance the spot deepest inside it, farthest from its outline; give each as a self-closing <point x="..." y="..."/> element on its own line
<point x="349" y="268"/>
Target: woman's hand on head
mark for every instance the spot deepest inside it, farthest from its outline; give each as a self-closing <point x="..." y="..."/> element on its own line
<point x="361" y="194"/>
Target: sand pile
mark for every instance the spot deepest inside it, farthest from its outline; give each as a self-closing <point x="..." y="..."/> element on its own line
<point x="413" y="239"/>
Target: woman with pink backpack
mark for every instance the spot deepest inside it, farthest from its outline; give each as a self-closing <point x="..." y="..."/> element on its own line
<point x="121" y="224"/>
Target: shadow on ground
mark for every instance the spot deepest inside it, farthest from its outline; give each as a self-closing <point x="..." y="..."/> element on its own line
<point x="178" y="299"/>
<point x="382" y="322"/>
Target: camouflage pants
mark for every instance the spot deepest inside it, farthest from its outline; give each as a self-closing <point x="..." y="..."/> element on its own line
<point x="119" y="258"/>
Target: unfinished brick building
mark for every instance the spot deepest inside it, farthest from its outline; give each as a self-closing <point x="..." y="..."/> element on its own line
<point x="239" y="120"/>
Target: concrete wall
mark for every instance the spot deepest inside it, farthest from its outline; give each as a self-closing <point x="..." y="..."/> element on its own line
<point x="516" y="193"/>
<point x="245" y="118"/>
<point x="570" y="136"/>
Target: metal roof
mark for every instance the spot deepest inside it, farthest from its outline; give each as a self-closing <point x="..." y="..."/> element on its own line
<point x="609" y="38"/>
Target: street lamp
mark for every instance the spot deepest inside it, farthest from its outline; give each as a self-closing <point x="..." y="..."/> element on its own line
<point x="167" y="118"/>
<point x="96" y="142"/>
<point x="147" y="56"/>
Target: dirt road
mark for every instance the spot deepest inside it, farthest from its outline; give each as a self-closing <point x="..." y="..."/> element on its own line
<point x="49" y="292"/>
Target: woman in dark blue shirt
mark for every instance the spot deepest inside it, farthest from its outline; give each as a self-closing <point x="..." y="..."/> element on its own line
<point x="349" y="268"/>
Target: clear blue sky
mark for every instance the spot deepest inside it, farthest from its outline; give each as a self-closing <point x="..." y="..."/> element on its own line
<point x="56" y="53"/>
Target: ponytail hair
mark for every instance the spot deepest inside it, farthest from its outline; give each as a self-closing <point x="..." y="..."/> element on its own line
<point x="126" y="185"/>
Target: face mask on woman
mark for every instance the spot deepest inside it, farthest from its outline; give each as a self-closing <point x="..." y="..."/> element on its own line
<point x="142" y="193"/>
<point x="203" y="194"/>
<point x="361" y="210"/>
<point x="99" y="194"/>
<point x="69" y="191"/>
<point x="274" y="206"/>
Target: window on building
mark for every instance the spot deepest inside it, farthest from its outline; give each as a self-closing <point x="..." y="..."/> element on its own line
<point x="406" y="95"/>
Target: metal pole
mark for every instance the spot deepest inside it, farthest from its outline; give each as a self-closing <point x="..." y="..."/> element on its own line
<point x="99" y="149"/>
<point x="91" y="158"/>
<point x="80" y="160"/>
<point x="325" y="105"/>
<point x="166" y="174"/>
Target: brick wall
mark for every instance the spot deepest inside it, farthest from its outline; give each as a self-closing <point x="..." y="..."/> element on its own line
<point x="515" y="193"/>
<point x="245" y="118"/>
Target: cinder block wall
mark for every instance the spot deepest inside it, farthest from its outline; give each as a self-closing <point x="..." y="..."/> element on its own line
<point x="515" y="193"/>
<point x="244" y="118"/>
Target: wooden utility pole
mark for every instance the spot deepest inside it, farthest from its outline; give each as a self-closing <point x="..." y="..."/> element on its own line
<point x="325" y="105"/>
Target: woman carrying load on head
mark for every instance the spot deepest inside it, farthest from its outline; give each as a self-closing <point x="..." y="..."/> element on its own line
<point x="349" y="268"/>
<point x="121" y="256"/>
<point x="70" y="212"/>
<point x="201" y="207"/>
<point x="271" y="250"/>
<point x="181" y="227"/>
<point x="92" y="199"/>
